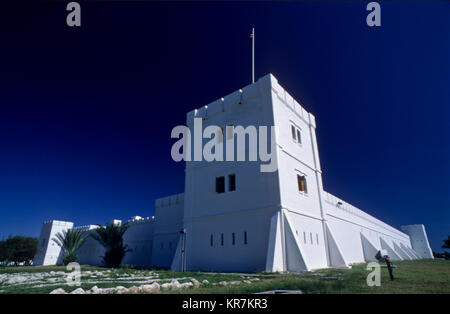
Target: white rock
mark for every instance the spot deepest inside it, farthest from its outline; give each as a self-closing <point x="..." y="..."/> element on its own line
<point x="120" y="290"/>
<point x="58" y="291"/>
<point x="166" y="286"/>
<point x="186" y="285"/>
<point x="223" y="283"/>
<point x="205" y="282"/>
<point x="175" y="284"/>
<point x="153" y="288"/>
<point x="195" y="282"/>
<point x="78" y="291"/>
<point x="133" y="289"/>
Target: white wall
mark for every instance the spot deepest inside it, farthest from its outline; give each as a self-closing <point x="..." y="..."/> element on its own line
<point x="419" y="240"/>
<point x="168" y="224"/>
<point x="91" y="252"/>
<point x="49" y="253"/>
<point x="139" y="238"/>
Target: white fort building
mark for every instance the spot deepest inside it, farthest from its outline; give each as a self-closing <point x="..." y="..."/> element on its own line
<point x="233" y="217"/>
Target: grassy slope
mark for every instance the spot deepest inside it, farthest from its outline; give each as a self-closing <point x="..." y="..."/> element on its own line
<point x="424" y="276"/>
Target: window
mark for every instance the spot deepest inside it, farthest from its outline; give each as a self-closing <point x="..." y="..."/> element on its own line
<point x="304" y="237"/>
<point x="299" y="136"/>
<point x="220" y="184"/>
<point x="293" y="132"/>
<point x="317" y="239"/>
<point x="296" y="134"/>
<point x="245" y="237"/>
<point x="232" y="182"/>
<point x="301" y="181"/>
<point x="233" y="238"/>
<point x="310" y="235"/>
<point x="221" y="239"/>
<point x="211" y="240"/>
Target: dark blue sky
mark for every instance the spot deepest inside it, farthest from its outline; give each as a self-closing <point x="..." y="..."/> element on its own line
<point x="86" y="113"/>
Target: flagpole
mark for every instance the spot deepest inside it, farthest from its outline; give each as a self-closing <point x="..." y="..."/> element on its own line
<point x="253" y="55"/>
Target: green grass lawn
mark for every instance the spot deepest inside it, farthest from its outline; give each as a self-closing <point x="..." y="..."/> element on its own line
<point x="420" y="276"/>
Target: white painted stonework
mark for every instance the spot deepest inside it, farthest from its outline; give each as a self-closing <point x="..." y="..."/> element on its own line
<point x="266" y="223"/>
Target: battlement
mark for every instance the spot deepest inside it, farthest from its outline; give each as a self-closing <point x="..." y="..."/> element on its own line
<point x="58" y="223"/>
<point x="169" y="200"/>
<point x="136" y="220"/>
<point x="342" y="205"/>
<point x="246" y="93"/>
<point x="86" y="227"/>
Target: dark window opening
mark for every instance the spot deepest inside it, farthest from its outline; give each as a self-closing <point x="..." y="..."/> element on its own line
<point x="221" y="239"/>
<point x="220" y="184"/>
<point x="211" y="240"/>
<point x="299" y="137"/>
<point x="293" y="131"/>
<point x="245" y="237"/>
<point x="233" y="238"/>
<point x="232" y="182"/>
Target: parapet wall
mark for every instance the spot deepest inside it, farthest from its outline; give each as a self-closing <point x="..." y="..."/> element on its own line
<point x="340" y="205"/>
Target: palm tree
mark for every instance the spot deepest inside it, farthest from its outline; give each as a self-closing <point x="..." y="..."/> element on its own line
<point x="446" y="243"/>
<point x="70" y="241"/>
<point x="111" y="238"/>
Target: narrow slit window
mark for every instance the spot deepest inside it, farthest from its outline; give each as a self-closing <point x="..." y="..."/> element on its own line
<point x="221" y="239"/>
<point x="211" y="240"/>
<point x="301" y="181"/>
<point x="293" y="132"/>
<point x="245" y="237"/>
<point x="232" y="182"/>
<point x="310" y="235"/>
<point x="299" y="137"/>
<point x="233" y="238"/>
<point x="317" y="238"/>
<point x="304" y="237"/>
<point x="220" y="184"/>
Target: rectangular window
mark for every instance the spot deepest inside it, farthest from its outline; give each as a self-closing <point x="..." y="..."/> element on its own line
<point x="310" y="235"/>
<point x="299" y="137"/>
<point x="317" y="239"/>
<point x="293" y="132"/>
<point x="233" y="238"/>
<point x="304" y="237"/>
<point x="211" y="240"/>
<point x="220" y="184"/>
<point x="232" y="182"/>
<point x="301" y="181"/>
<point x="221" y="239"/>
<point x="245" y="237"/>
